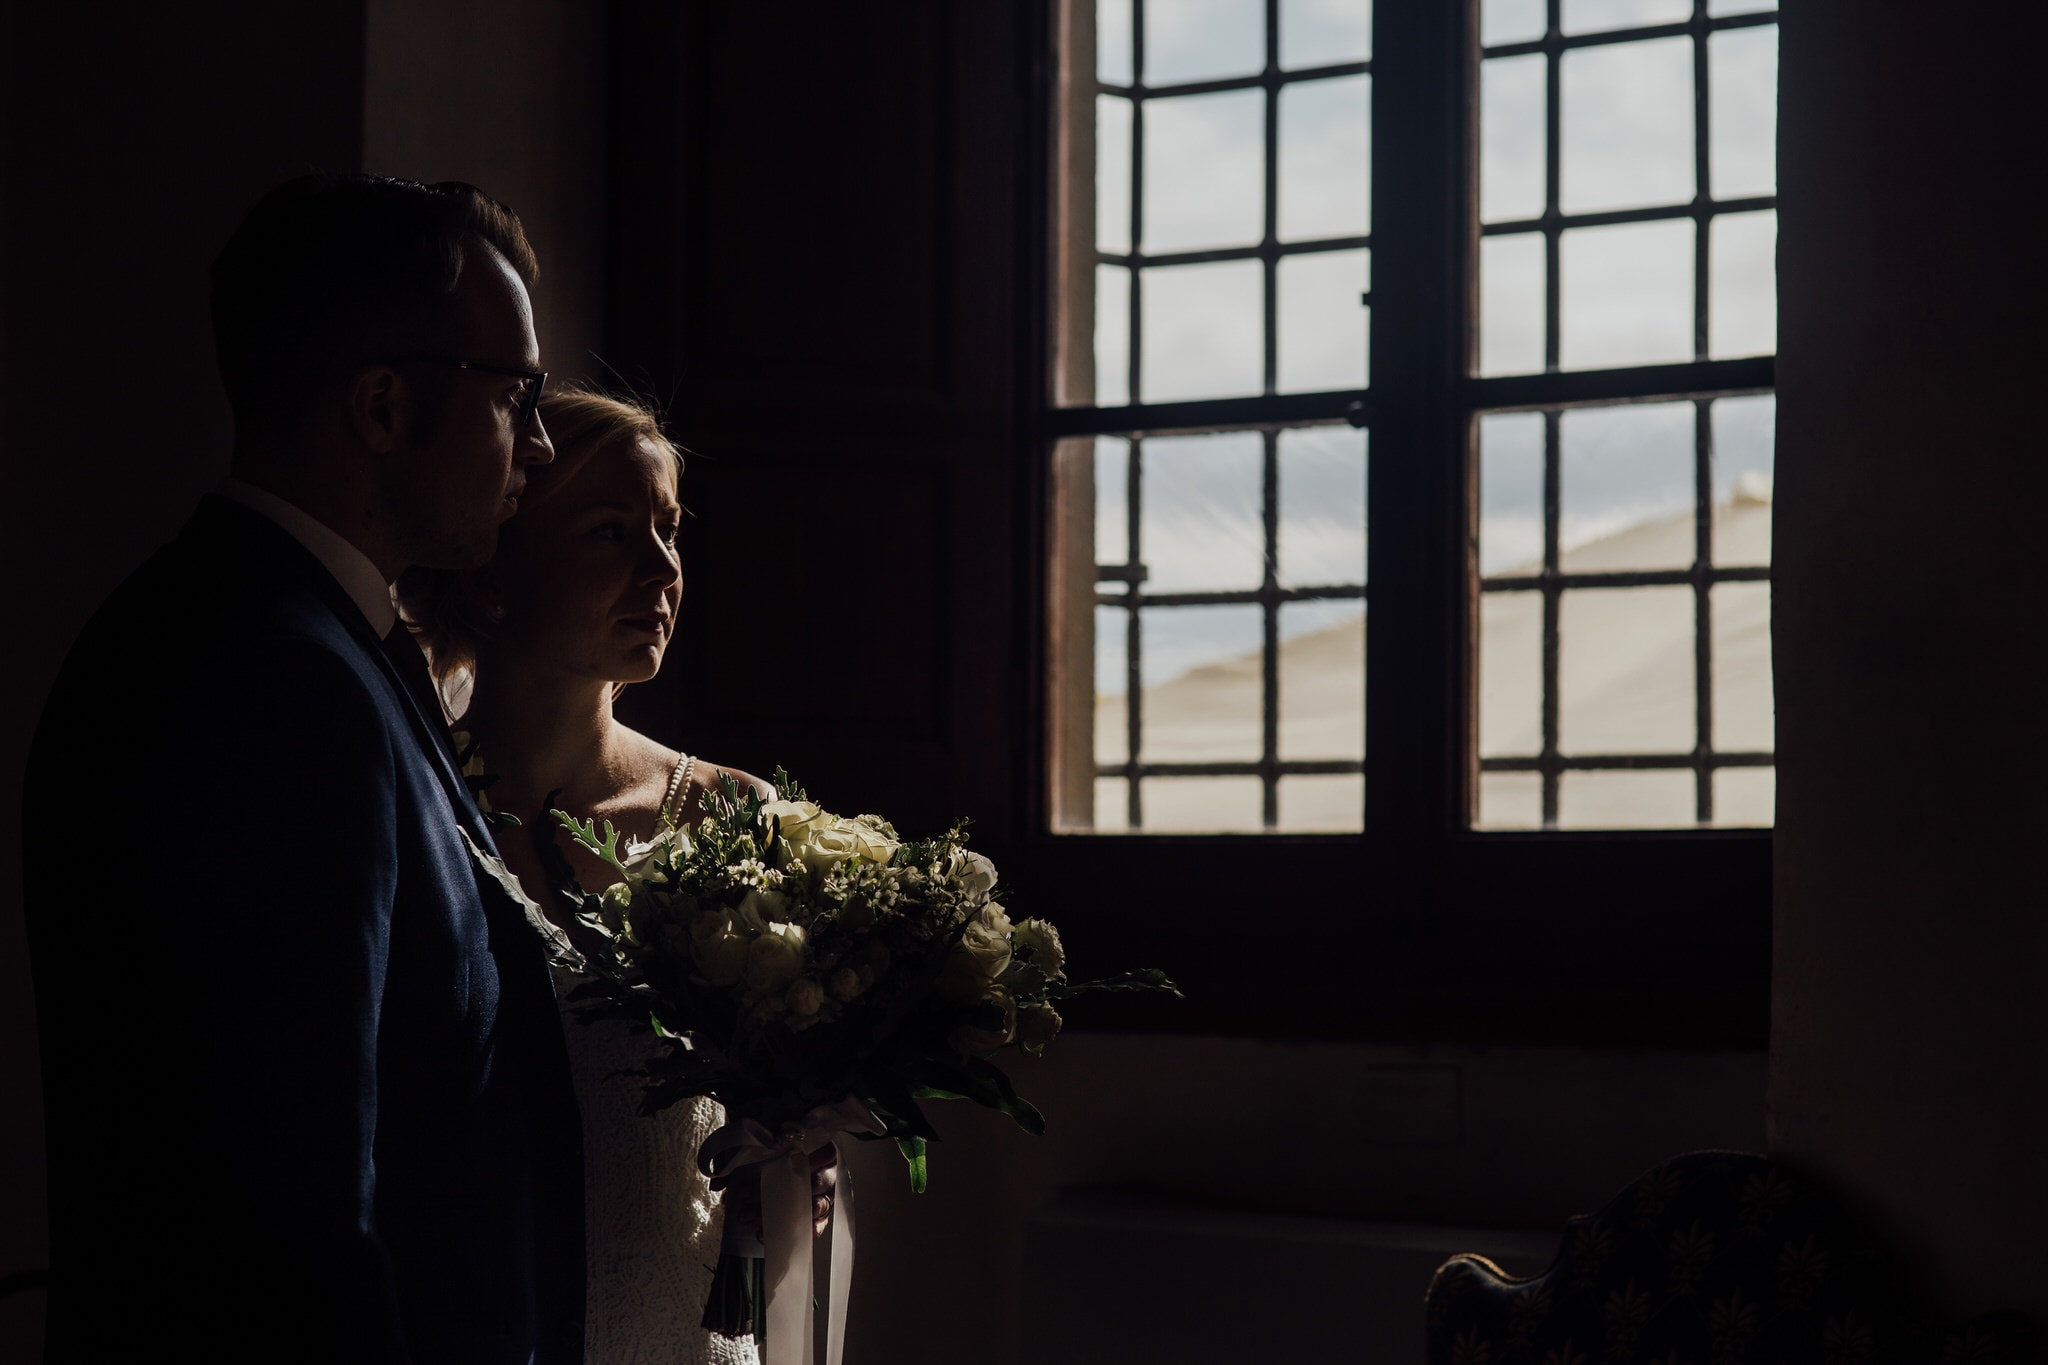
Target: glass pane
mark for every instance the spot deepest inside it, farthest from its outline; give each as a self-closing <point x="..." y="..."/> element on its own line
<point x="1627" y="126"/>
<point x="1325" y="171"/>
<point x="1113" y="41"/>
<point x="1112" y="336"/>
<point x="1742" y="66"/>
<point x="1112" y="678"/>
<point x="1323" y="321"/>
<point x="1112" y="811"/>
<point x="1200" y="525"/>
<point x="1510" y="674"/>
<point x="1745" y="439"/>
<point x="1742" y="316"/>
<point x="1317" y="803"/>
<point x="1626" y="296"/>
<point x="1744" y="704"/>
<point x="1506" y="801"/>
<point x="1625" y="671"/>
<point x="1511" y="304"/>
<point x="1205" y="178"/>
<point x="1203" y="805"/>
<point x="1511" y="492"/>
<point x="1627" y="488"/>
<point x="1204" y="683"/>
<point x="1324" y="33"/>
<point x="1112" y="490"/>
<point x="1204" y="331"/>
<point x="1112" y="174"/>
<point x="1322" y="507"/>
<point x="1746" y="797"/>
<point x="1201" y="40"/>
<point x="1717" y="8"/>
<point x="1659" y="799"/>
<point x="1600" y="16"/>
<point x="1511" y="21"/>
<point x="1511" y="138"/>
<point x="1322" y="680"/>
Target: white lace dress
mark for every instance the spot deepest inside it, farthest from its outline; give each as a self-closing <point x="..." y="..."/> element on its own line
<point x="651" y="1224"/>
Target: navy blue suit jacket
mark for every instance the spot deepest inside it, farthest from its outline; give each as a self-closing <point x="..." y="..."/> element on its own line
<point x="307" y="1092"/>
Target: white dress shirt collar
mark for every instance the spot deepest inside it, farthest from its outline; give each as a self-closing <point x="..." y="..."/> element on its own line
<point x="359" y="578"/>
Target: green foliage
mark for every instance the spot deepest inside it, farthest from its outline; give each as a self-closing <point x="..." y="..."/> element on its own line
<point x="884" y="994"/>
<point x="1143" y="979"/>
<point x="913" y="1154"/>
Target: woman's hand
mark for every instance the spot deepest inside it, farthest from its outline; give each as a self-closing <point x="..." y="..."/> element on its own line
<point x="743" y="1193"/>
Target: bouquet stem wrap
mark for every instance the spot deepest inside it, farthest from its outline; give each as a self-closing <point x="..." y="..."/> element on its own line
<point x="784" y="1158"/>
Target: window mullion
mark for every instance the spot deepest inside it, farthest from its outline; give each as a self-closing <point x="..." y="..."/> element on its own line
<point x="1418" y="727"/>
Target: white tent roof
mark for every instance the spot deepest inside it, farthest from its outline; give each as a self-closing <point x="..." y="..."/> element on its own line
<point x="1625" y="685"/>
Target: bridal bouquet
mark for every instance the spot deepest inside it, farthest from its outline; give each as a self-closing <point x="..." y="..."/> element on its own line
<point x="815" y="974"/>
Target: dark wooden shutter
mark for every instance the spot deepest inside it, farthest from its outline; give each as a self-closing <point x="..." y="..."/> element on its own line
<point x="813" y="220"/>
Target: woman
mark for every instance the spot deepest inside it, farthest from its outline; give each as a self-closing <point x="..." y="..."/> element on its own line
<point x="579" y="601"/>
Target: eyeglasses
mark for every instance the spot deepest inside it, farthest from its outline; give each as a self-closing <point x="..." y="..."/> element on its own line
<point x="529" y="398"/>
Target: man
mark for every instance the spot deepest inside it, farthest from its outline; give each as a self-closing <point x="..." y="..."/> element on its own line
<point x="306" y="1087"/>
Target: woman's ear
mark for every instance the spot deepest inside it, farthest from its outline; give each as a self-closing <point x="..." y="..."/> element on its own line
<point x="481" y="589"/>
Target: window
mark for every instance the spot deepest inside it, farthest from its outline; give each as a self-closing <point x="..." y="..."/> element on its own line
<point x="1593" y="285"/>
<point x="1216" y="455"/>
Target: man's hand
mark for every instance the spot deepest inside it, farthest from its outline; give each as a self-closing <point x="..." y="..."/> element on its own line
<point x="743" y="1193"/>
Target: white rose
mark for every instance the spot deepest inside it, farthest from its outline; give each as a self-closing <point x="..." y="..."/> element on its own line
<point x="824" y="847"/>
<point x="776" y="958"/>
<point x="721" y="956"/>
<point x="794" y="817"/>
<point x="758" y="909"/>
<point x="1038" y="943"/>
<point x="875" y="837"/>
<point x="981" y="956"/>
<point x="972" y="875"/>
<point x="981" y="1035"/>
<point x="1037" y="1025"/>
<point x="845" y="985"/>
<point x="805" y="996"/>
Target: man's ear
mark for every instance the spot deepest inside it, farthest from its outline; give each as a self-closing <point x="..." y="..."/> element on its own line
<point x="382" y="407"/>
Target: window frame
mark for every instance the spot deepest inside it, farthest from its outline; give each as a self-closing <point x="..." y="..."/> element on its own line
<point x="1638" y="938"/>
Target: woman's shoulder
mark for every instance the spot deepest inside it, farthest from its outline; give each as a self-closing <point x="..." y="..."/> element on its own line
<point x="684" y="779"/>
<point x="706" y="776"/>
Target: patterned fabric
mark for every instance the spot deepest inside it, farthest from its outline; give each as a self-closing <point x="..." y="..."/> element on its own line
<point x="1715" y="1258"/>
<point x="651" y="1222"/>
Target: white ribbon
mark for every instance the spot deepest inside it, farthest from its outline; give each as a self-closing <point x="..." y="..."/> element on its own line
<point x="784" y="1158"/>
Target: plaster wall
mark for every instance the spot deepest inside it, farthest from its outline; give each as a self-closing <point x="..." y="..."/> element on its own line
<point x="508" y="95"/>
<point x="1908" y="1009"/>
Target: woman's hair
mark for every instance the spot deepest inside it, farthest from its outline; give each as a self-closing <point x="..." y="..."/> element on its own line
<point x="580" y="422"/>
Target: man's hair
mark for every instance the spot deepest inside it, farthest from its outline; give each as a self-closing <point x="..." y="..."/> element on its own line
<point x="332" y="273"/>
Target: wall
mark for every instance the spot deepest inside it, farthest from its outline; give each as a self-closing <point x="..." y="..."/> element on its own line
<point x="1491" y="1138"/>
<point x="135" y="138"/>
<point x="1910" y="941"/>
<point x="506" y="94"/>
<point x="1909" y="933"/>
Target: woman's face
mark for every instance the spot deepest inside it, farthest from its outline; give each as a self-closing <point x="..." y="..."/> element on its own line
<point x="589" y="576"/>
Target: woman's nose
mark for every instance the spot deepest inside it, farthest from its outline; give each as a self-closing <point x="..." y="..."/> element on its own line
<point x="664" y="564"/>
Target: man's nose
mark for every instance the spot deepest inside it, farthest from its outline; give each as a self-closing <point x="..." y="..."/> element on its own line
<point x="534" y="445"/>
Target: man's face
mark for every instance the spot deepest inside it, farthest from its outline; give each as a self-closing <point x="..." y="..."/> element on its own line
<point x="450" y="492"/>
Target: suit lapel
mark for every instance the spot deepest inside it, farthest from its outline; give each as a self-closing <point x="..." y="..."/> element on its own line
<point x="428" y="733"/>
